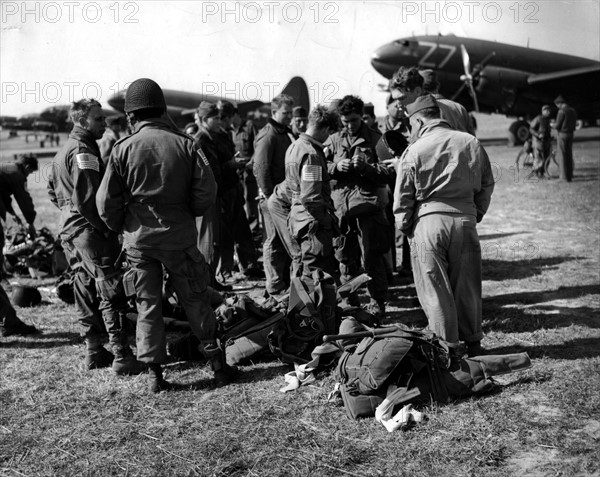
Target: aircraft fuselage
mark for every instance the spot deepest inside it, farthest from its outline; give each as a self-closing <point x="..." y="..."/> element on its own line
<point x="503" y="86"/>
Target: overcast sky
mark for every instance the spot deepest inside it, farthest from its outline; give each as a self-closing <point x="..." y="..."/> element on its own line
<point x="56" y="52"/>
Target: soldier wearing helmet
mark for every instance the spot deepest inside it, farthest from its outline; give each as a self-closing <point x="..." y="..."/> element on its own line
<point x="158" y="181"/>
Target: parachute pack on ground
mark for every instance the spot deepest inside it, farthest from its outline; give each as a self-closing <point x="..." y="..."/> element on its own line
<point x="400" y="366"/>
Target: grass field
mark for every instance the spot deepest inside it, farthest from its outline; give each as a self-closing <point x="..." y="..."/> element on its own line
<point x="541" y="252"/>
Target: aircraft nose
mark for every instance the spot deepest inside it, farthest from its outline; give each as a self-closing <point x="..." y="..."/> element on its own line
<point x="388" y="58"/>
<point x="383" y="60"/>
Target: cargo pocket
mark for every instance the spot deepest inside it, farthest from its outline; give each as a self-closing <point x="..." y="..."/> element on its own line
<point x="129" y="282"/>
<point x="111" y="288"/>
<point x="196" y="270"/>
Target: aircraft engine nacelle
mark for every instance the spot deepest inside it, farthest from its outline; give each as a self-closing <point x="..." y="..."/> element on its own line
<point x="499" y="78"/>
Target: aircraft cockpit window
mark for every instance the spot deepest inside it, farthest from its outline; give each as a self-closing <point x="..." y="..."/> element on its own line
<point x="404" y="43"/>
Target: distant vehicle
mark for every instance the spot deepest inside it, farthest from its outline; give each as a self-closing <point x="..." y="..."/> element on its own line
<point x="9" y="122"/>
<point x="182" y="104"/>
<point x="512" y="80"/>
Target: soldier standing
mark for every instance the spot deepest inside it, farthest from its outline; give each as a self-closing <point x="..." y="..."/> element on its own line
<point x="540" y="130"/>
<point x="209" y="223"/>
<point x="74" y="179"/>
<point x="360" y="195"/>
<point x="443" y="190"/>
<point x="312" y="219"/>
<point x="566" y="120"/>
<point x="244" y="133"/>
<point x="270" y="146"/>
<point x="235" y="229"/>
<point x="157" y="182"/>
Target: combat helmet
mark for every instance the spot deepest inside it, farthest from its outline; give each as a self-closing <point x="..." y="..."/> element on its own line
<point x="25" y="296"/>
<point x="144" y="93"/>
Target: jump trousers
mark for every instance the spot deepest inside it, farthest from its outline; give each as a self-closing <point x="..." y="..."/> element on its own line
<point x="446" y="260"/>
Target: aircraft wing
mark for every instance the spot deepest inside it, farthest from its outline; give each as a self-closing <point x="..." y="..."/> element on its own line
<point x="588" y="73"/>
<point x="181" y="104"/>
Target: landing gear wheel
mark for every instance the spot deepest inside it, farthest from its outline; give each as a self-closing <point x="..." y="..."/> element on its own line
<point x="518" y="133"/>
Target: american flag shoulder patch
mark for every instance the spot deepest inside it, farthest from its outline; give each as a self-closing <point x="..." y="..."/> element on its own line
<point x="203" y="157"/>
<point x="87" y="161"/>
<point x="312" y="173"/>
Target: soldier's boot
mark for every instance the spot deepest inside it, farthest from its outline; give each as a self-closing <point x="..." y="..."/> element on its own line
<point x="223" y="373"/>
<point x="16" y="327"/>
<point x="96" y="355"/>
<point x="157" y="383"/>
<point x="474" y="348"/>
<point x="125" y="362"/>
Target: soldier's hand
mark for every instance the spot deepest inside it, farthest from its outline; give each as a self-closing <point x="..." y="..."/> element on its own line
<point x="391" y="163"/>
<point x="344" y="165"/>
<point x="359" y="164"/>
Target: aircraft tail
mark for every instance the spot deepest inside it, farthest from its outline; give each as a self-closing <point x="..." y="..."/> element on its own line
<point x="298" y="90"/>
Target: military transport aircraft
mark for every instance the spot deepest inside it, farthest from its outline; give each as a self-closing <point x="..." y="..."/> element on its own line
<point x="181" y="105"/>
<point x="498" y="78"/>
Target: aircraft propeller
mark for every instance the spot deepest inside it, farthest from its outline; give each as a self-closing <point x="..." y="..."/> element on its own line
<point x="471" y="76"/>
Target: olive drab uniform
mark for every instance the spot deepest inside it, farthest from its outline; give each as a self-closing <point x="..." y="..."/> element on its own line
<point x="455" y="114"/>
<point x="566" y="121"/>
<point x="280" y="205"/>
<point x="157" y="182"/>
<point x="10" y="323"/>
<point x="92" y="249"/>
<point x="541" y="132"/>
<point x="208" y="224"/>
<point x="360" y="200"/>
<point x="443" y="188"/>
<point x="13" y="183"/>
<point x="270" y="146"/>
<point x="235" y="229"/>
<point x="243" y="138"/>
<point x="312" y="220"/>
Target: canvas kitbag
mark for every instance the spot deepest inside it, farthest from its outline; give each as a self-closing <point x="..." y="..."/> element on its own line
<point x="310" y="315"/>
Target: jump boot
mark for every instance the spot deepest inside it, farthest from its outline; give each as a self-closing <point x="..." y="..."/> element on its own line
<point x="96" y="355"/>
<point x="124" y="362"/>
<point x="474" y="348"/>
<point x="223" y="373"/>
<point x="12" y="325"/>
<point x="157" y="383"/>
